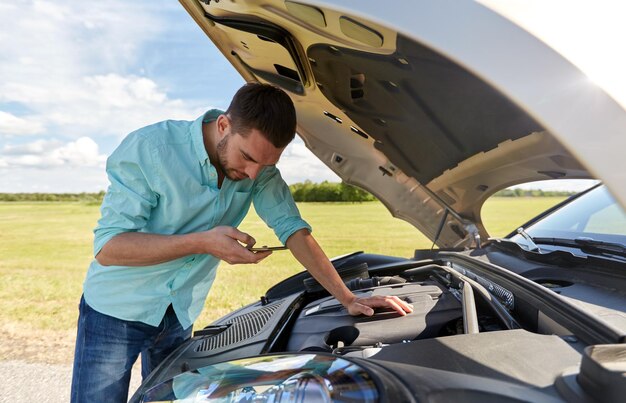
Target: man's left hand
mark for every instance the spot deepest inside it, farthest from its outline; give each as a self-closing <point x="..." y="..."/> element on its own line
<point x="365" y="305"/>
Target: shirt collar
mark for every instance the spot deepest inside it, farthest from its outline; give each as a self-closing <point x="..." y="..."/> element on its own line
<point x="196" y="134"/>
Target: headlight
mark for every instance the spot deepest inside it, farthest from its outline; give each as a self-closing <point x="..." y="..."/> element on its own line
<point x="271" y="379"/>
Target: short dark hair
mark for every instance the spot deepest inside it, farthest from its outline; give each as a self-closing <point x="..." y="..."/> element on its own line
<point x="266" y="108"/>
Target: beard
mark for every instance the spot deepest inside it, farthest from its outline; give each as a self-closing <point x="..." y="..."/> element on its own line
<point x="222" y="161"/>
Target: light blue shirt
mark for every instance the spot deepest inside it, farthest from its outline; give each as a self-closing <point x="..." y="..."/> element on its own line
<point x="162" y="182"/>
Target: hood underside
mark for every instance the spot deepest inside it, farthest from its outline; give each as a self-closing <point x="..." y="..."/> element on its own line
<point x="391" y="113"/>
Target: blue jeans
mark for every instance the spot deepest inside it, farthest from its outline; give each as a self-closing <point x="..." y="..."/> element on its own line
<point x="107" y="348"/>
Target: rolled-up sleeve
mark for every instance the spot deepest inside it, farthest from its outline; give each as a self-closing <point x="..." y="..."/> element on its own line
<point x="130" y="197"/>
<point x="275" y="205"/>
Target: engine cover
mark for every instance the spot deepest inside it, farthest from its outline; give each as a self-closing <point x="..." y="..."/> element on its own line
<point x="324" y="323"/>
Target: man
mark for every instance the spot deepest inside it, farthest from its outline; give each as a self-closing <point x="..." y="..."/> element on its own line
<point x="178" y="191"/>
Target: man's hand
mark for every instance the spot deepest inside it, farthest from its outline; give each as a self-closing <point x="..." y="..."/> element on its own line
<point x="141" y="249"/>
<point x="364" y="306"/>
<point x="225" y="243"/>
<point x="308" y="252"/>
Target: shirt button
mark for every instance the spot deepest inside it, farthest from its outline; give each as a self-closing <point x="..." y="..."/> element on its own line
<point x="173" y="293"/>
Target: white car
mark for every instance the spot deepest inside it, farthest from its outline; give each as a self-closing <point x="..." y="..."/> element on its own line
<point x="432" y="106"/>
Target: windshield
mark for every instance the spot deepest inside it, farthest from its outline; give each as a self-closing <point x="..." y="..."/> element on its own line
<point x="594" y="215"/>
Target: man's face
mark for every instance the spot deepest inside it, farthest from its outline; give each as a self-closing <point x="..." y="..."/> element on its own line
<point x="241" y="157"/>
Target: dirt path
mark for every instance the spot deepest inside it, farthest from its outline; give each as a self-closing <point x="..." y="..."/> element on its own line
<point x="22" y="343"/>
<point x="36" y="366"/>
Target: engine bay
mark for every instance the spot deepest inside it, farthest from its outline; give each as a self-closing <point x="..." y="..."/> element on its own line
<point x="468" y="320"/>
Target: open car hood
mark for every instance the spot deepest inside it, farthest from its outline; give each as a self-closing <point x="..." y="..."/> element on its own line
<point x="432" y="107"/>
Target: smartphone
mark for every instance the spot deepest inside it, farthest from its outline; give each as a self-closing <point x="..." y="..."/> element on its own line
<point x="266" y="248"/>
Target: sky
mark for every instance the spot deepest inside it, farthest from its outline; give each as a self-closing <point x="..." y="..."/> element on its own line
<point x="76" y="77"/>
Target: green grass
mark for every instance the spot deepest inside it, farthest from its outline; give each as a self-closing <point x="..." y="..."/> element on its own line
<point x="502" y="215"/>
<point x="45" y="249"/>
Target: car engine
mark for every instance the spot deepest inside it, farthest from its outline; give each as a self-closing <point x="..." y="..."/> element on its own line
<point x="325" y="324"/>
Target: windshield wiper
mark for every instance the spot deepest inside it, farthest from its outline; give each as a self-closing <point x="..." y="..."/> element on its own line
<point x="585" y="244"/>
<point x="601" y="246"/>
<point x="531" y="241"/>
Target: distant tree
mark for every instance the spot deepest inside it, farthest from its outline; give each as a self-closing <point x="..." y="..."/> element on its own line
<point x="328" y="192"/>
<point x="354" y="194"/>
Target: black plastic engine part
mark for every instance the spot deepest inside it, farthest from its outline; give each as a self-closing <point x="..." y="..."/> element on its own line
<point x="324" y="323"/>
<point x="346" y="273"/>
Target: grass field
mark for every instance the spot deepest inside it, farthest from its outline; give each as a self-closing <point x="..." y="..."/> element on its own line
<point x="45" y="249"/>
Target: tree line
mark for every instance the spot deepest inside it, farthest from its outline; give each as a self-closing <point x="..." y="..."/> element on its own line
<point x="53" y="197"/>
<point x="532" y="193"/>
<point x="302" y="192"/>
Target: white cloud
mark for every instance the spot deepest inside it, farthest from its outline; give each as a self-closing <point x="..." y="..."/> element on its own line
<point x="77" y="72"/>
<point x="298" y="164"/>
<point x="44" y="154"/>
<point x="82" y="152"/>
<point x="67" y="63"/>
<point x="11" y="125"/>
<point x="37" y="147"/>
<point x="112" y="104"/>
<point x="124" y="92"/>
<point x="59" y="40"/>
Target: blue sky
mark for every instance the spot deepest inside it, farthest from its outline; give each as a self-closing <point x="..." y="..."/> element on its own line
<point x="76" y="77"/>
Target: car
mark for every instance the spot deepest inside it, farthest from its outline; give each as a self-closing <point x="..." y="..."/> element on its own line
<point x="432" y="107"/>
